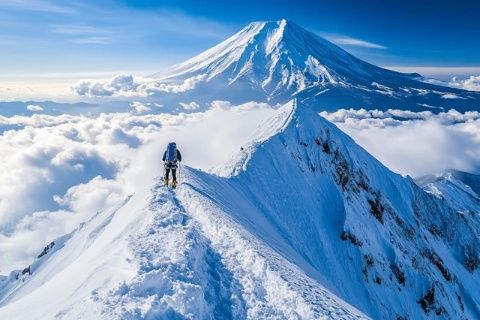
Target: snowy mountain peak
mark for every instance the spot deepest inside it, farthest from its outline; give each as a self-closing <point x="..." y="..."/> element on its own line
<point x="275" y="61"/>
<point x="277" y="56"/>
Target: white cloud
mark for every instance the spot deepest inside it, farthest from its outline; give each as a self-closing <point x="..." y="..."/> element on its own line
<point x="189" y="106"/>
<point x="93" y="196"/>
<point x="472" y="83"/>
<point x="92" y="40"/>
<point x="381" y="118"/>
<point x="78" y="30"/>
<point x="127" y="85"/>
<point x="48" y="86"/>
<point x="140" y="107"/>
<point x="36" y="5"/>
<point x="188" y="84"/>
<point x="82" y="34"/>
<point x="451" y="96"/>
<point x="119" y="85"/>
<point x="415" y="143"/>
<point x="34" y="108"/>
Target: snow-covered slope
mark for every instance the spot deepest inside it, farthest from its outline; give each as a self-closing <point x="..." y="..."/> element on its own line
<point x="151" y="259"/>
<point x="370" y="236"/>
<point x="461" y="190"/>
<point x="277" y="60"/>
<point x="301" y="224"/>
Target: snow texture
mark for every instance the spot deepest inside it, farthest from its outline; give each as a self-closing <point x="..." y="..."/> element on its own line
<point x="301" y="224"/>
<point x="167" y="263"/>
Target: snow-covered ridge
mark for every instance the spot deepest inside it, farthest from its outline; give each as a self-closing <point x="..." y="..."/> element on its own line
<point x="266" y="130"/>
<point x="163" y="260"/>
<point x="461" y="190"/>
<point x="370" y="236"/>
<point x="308" y="226"/>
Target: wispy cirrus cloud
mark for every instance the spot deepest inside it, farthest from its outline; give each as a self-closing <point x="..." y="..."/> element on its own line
<point x="92" y="40"/>
<point x="137" y="39"/>
<point x="78" y="30"/>
<point x="36" y="5"/>
<point x="343" y="40"/>
<point x="82" y="34"/>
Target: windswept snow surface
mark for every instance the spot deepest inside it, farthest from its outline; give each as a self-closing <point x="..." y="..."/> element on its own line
<point x="301" y="224"/>
<point x="160" y="262"/>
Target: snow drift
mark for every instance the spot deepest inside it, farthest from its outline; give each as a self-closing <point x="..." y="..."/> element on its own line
<point x="302" y="223"/>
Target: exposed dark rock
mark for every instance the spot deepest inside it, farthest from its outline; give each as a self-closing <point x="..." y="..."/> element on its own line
<point x="471" y="259"/>
<point x="46" y="249"/>
<point x="26" y="270"/>
<point x="368" y="262"/>
<point x="398" y="273"/>
<point x="438" y="262"/>
<point x="427" y="301"/>
<point x="376" y="209"/>
<point x="346" y="235"/>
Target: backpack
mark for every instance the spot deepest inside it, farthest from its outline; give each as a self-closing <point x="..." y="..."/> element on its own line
<point x="171" y="152"/>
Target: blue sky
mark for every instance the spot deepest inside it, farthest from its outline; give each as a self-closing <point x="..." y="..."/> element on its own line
<point x="49" y="37"/>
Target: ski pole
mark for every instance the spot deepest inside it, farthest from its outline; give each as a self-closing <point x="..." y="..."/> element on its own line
<point x="164" y="173"/>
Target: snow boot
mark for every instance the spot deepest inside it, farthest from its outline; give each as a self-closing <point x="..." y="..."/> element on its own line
<point x="174" y="184"/>
<point x="165" y="181"/>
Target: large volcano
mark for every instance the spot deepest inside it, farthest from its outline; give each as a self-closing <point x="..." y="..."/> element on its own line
<point x="275" y="61"/>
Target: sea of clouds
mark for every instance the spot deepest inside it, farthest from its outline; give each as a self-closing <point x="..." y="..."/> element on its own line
<point x="415" y="143"/>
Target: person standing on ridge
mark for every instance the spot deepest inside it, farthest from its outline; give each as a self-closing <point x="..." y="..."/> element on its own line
<point x="171" y="157"/>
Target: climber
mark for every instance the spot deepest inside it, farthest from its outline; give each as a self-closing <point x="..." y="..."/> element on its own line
<point x="171" y="157"/>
